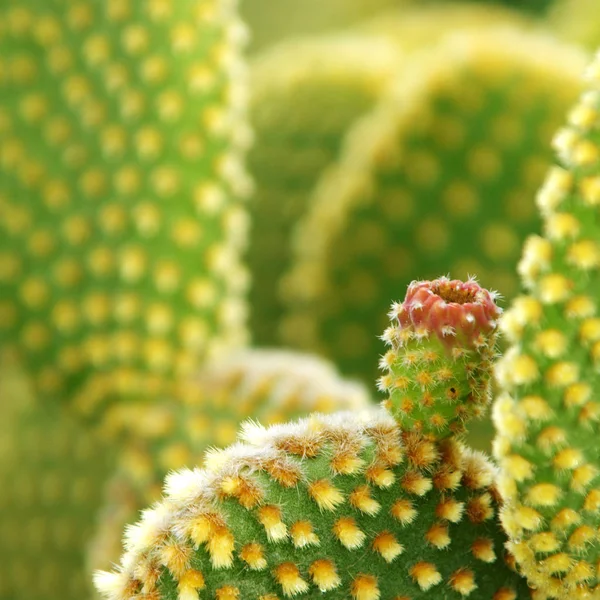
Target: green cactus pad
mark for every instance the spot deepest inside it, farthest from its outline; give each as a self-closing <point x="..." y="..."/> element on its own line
<point x="271" y="386"/>
<point x="436" y="180"/>
<point x="347" y="506"/>
<point x="547" y="415"/>
<point x="121" y="174"/>
<point x="306" y="93"/>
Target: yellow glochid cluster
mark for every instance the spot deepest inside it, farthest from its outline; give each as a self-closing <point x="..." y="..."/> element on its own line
<point x="547" y="414"/>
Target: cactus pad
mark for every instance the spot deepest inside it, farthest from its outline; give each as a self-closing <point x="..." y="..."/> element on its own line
<point x="548" y="413"/>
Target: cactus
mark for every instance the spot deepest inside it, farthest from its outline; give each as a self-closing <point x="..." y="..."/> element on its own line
<point x="121" y="229"/>
<point x="306" y="93"/>
<point x="576" y="21"/>
<point x="110" y="113"/>
<point x="355" y="505"/>
<point x="52" y="473"/>
<point x="437" y="179"/>
<point x="269" y="385"/>
<point x="547" y="413"/>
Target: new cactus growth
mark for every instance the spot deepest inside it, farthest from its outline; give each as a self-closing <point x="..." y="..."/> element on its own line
<point x="352" y="505"/>
<point x="437" y="179"/>
<point x="547" y="415"/>
<point x="271" y="386"/>
<point x="306" y="93"/>
<point x="123" y="131"/>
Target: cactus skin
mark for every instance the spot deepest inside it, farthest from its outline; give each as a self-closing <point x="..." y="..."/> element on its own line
<point x="547" y="414"/>
<point x="351" y="504"/>
<point x="52" y="473"/>
<point x="306" y="93"/>
<point x="437" y="179"/>
<point x="271" y="386"/>
<point x="123" y="135"/>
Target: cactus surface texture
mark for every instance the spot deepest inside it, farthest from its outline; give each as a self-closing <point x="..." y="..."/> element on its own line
<point x="52" y="474"/>
<point x="271" y="386"/>
<point x="110" y="113"/>
<point x="547" y="415"/>
<point x="350" y="505"/>
<point x="437" y="179"/>
<point x="305" y="94"/>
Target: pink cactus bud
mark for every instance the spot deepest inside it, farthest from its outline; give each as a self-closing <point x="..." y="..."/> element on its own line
<point x="451" y="309"/>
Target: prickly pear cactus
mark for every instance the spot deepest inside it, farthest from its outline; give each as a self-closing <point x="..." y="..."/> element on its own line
<point x="52" y="474"/>
<point x="270" y="386"/>
<point x="122" y="138"/>
<point x="353" y="505"/>
<point x="437" y="179"/>
<point x="306" y="93"/>
<point x="547" y="416"/>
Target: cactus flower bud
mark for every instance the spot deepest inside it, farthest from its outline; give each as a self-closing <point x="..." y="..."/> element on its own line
<point x="439" y="365"/>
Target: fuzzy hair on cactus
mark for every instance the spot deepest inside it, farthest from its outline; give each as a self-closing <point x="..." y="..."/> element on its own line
<point x="436" y="179"/>
<point x="121" y="180"/>
<point x="547" y="415"/>
<point x="352" y="505"/>
<point x="271" y="386"/>
<point x="305" y="94"/>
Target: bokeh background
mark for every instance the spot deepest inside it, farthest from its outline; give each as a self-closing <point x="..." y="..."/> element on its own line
<point x="183" y="182"/>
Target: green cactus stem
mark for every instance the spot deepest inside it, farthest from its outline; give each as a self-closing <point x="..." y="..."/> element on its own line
<point x="306" y="93"/>
<point x="441" y="348"/>
<point x="271" y="386"/>
<point x="547" y="415"/>
<point x="350" y="505"/>
<point x="121" y="180"/>
<point x="436" y="179"/>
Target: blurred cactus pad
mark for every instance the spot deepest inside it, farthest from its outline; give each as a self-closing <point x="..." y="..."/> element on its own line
<point x="548" y="412"/>
<point x="355" y="505"/>
<point x="439" y="178"/>
<point x="121" y="185"/>
<point x="52" y="475"/>
<point x="305" y="94"/>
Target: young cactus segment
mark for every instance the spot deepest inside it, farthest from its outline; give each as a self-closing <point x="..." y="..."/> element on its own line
<point x="271" y="386"/>
<point x="437" y="179"/>
<point x="547" y="414"/>
<point x="440" y="362"/>
<point x="305" y="95"/>
<point x="121" y="177"/>
<point x="346" y="505"/>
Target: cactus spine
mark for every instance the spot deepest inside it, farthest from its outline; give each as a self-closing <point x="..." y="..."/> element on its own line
<point x="547" y="415"/>
<point x="437" y="179"/>
<point x="327" y="504"/>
